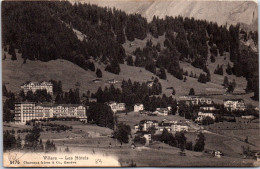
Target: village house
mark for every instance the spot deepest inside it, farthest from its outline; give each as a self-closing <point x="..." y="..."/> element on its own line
<point x="170" y="126"/>
<point x="201" y="100"/>
<point x="202" y="115"/>
<point x="208" y="108"/>
<point x="92" y="100"/>
<point x="33" y="86"/>
<point x="179" y="128"/>
<point x="148" y="138"/>
<point x="112" y="81"/>
<point x="27" y="111"/>
<point x="96" y="80"/>
<point x="194" y="100"/>
<point x="184" y="100"/>
<point x="245" y="119"/>
<point x="150" y="84"/>
<point x="162" y="126"/>
<point x="217" y="154"/>
<point x="138" y="107"/>
<point x="234" y="104"/>
<point x="115" y="107"/>
<point x="144" y="112"/>
<point x="146" y="125"/>
<point x="161" y="111"/>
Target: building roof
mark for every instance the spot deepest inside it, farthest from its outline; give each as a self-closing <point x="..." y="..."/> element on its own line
<point x="138" y="104"/>
<point x="165" y="124"/>
<point x="234" y="100"/>
<point x="145" y="121"/>
<point x="37" y="83"/>
<point x="46" y="104"/>
<point x="25" y="102"/>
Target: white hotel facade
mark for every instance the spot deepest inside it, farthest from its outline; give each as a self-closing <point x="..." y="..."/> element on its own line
<point x="33" y="86"/>
<point x="31" y="111"/>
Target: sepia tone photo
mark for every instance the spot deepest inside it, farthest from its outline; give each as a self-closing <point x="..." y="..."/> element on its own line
<point x="130" y="83"/>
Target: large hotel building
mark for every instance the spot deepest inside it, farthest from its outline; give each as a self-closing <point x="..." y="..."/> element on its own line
<point x="33" y="86"/>
<point x="27" y="111"/>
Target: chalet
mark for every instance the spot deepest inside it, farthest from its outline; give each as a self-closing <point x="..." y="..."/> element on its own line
<point x="162" y="126"/>
<point x="184" y="100"/>
<point x="194" y="100"/>
<point x="148" y="138"/>
<point x="179" y="128"/>
<point x="115" y="107"/>
<point x="217" y="154"/>
<point x="234" y="104"/>
<point x="112" y="81"/>
<point x="138" y="107"/>
<point x="202" y="116"/>
<point x="169" y="121"/>
<point x="245" y="119"/>
<point x="34" y="86"/>
<point x="170" y="126"/>
<point x="257" y="156"/>
<point x="144" y="112"/>
<point x="136" y="127"/>
<point x="150" y="83"/>
<point x="146" y="125"/>
<point x="161" y="111"/>
<point x="96" y="80"/>
<point x="92" y="100"/>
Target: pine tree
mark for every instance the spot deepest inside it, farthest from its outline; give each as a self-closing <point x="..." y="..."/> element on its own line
<point x="212" y="59"/>
<point x="59" y="87"/>
<point x="234" y="83"/>
<point x="225" y="83"/>
<point x="22" y="95"/>
<point x="173" y="91"/>
<point x="13" y="56"/>
<point x="191" y="74"/>
<point x="158" y="47"/>
<point x="18" y="142"/>
<point x="162" y="73"/>
<point x="98" y="73"/>
<point x="130" y="61"/>
<point x="200" y="144"/>
<point x="4" y="56"/>
<point x="91" y="66"/>
<point x="192" y="92"/>
<point x="229" y="69"/>
<point x="5" y="92"/>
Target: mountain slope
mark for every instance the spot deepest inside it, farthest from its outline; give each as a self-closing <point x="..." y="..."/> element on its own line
<point x="222" y="12"/>
<point x="15" y="73"/>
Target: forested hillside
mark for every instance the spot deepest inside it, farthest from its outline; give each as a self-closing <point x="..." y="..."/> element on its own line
<point x="43" y="31"/>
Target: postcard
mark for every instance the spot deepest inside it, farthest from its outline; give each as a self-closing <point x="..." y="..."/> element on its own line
<point x="127" y="83"/>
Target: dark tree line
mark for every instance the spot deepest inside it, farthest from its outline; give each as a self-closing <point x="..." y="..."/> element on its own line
<point x="32" y="141"/>
<point x="179" y="140"/>
<point x="71" y="97"/>
<point x="134" y="92"/>
<point x="37" y="96"/>
<point x="8" y="105"/>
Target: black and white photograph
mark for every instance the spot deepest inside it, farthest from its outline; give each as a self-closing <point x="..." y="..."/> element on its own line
<point x="130" y="83"/>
